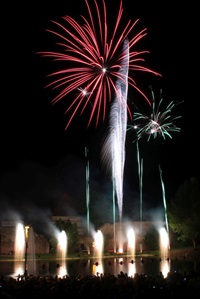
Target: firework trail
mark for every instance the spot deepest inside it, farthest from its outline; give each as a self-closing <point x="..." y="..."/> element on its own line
<point x="90" y="59"/>
<point x="87" y="188"/>
<point x="118" y="122"/>
<point x="114" y="147"/>
<point x="140" y="176"/>
<point x="164" y="199"/>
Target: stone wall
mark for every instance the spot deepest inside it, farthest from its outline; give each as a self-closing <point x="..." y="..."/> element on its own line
<point x="120" y="231"/>
<point x="7" y="240"/>
<point x="112" y="234"/>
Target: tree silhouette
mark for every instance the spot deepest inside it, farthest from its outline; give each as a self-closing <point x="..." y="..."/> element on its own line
<point x="184" y="212"/>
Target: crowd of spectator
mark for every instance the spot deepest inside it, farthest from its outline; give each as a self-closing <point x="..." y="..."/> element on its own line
<point x="105" y="286"/>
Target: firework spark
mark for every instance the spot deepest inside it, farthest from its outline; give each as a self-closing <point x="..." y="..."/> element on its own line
<point x="160" y="122"/>
<point x="91" y="58"/>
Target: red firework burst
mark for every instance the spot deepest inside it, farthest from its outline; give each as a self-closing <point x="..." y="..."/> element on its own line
<point x="91" y="57"/>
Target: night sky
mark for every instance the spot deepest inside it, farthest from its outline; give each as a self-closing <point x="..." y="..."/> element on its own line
<point x="42" y="165"/>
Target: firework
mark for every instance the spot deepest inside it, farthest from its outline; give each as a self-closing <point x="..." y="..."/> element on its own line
<point x="91" y="57"/>
<point x="160" y="123"/>
<point x="164" y="199"/>
<point x="87" y="187"/>
<point x="114" y="146"/>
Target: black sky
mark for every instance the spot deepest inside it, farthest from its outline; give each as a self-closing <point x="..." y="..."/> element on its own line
<point x="37" y="152"/>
